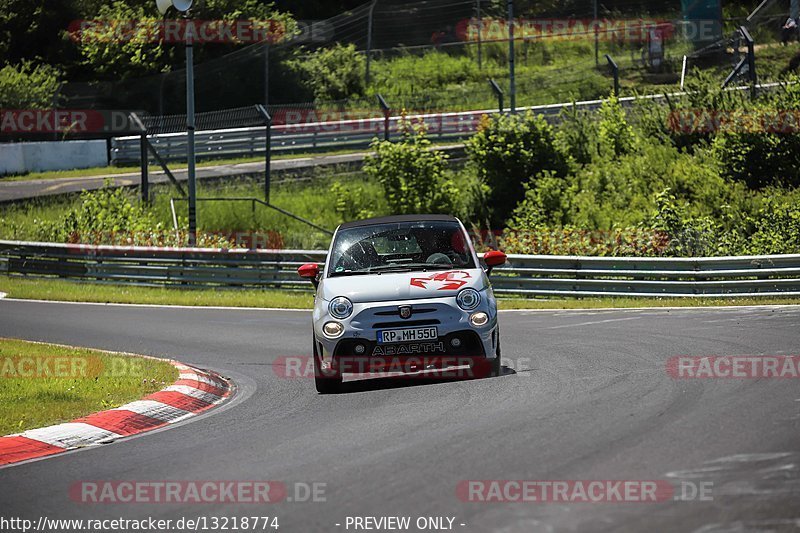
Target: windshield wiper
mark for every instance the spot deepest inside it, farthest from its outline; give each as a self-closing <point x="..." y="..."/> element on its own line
<point x="408" y="267"/>
<point x="394" y="267"/>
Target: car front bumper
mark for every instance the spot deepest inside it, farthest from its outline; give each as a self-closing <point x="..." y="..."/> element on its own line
<point x="359" y="338"/>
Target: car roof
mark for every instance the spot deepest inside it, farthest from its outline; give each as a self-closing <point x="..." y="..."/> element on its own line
<point x="398" y="218"/>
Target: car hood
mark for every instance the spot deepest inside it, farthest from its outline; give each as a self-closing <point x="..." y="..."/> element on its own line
<point x="402" y="285"/>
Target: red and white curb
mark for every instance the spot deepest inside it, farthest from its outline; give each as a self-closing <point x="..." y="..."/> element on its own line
<point x="194" y="392"/>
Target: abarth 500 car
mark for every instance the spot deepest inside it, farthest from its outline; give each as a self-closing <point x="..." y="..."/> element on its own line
<point x="402" y="294"/>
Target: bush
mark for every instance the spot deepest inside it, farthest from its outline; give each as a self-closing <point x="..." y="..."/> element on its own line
<point x="107" y="215"/>
<point x="27" y="87"/>
<point x="351" y="201"/>
<point x="577" y="136"/>
<point x="509" y="151"/>
<point x="105" y="53"/>
<point x="655" y="201"/>
<point x="777" y="226"/>
<point x="740" y="134"/>
<point x="615" y="135"/>
<point x="114" y="216"/>
<point x="332" y="73"/>
<point x="760" y="157"/>
<point x="686" y="237"/>
<point x="414" y="177"/>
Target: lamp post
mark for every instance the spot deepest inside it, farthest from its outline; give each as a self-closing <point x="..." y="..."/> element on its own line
<point x="511" y="60"/>
<point x="184" y="6"/>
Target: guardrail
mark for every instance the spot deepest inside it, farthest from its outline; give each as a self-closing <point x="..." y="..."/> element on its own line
<point x="524" y="275"/>
<point x="251" y="142"/>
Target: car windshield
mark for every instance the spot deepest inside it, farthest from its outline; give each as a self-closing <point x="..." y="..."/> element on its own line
<point x="400" y="247"/>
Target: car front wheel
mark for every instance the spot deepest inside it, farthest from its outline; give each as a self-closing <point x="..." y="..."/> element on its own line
<point x="327" y="381"/>
<point x="497" y="368"/>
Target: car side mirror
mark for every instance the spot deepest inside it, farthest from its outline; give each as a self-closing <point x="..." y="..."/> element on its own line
<point x="494" y="258"/>
<point x="309" y="271"/>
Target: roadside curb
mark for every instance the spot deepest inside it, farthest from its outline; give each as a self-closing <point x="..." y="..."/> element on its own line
<point x="194" y="392"/>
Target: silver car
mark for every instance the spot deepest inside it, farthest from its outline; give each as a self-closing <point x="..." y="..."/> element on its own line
<point x="403" y="295"/>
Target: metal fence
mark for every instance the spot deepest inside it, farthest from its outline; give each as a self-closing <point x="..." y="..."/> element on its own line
<point x="523" y="275"/>
<point x="342" y="134"/>
<point x="250" y="142"/>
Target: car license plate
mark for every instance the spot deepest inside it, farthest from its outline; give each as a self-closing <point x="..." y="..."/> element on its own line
<point x="386" y="336"/>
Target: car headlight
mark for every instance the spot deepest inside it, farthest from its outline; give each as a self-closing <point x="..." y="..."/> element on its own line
<point x="478" y="319"/>
<point x="332" y="329"/>
<point x="468" y="299"/>
<point x="340" y="307"/>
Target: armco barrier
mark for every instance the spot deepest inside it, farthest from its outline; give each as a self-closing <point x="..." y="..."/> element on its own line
<point x="248" y="142"/>
<point x="524" y="275"/>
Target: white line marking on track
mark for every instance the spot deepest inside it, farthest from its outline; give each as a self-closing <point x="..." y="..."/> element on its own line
<point x="594" y="322"/>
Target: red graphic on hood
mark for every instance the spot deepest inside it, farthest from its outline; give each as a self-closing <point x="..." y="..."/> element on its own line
<point x="450" y="281"/>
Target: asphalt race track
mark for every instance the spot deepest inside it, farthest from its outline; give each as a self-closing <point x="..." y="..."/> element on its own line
<point x="590" y="400"/>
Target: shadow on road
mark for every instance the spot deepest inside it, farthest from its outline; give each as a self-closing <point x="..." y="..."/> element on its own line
<point x="399" y="382"/>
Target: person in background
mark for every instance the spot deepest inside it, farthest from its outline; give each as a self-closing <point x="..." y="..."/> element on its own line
<point x="789" y="31"/>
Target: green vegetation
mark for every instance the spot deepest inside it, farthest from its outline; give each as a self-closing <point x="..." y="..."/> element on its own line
<point x="694" y="192"/>
<point x="645" y="182"/>
<point x="72" y="291"/>
<point x="508" y="147"/>
<point x="332" y="73"/>
<point x="419" y="77"/>
<point x="414" y="177"/>
<point x="115" y="216"/>
<point x="79" y="382"/>
<point x="26" y="86"/>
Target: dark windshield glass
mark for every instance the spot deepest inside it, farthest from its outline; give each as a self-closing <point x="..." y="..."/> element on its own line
<point x="403" y="246"/>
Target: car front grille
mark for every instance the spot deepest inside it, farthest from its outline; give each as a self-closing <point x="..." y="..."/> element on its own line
<point x="406" y="324"/>
<point x="471" y="345"/>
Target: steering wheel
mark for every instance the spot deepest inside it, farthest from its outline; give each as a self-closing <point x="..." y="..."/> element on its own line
<point x="439" y="258"/>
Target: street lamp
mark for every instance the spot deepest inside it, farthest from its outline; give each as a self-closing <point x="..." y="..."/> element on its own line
<point x="183" y="6"/>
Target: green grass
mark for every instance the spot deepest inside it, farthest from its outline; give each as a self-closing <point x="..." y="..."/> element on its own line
<point x="93" y="381"/>
<point x="312" y="200"/>
<point x="61" y="290"/>
<point x="547" y="71"/>
<point x="72" y="291"/>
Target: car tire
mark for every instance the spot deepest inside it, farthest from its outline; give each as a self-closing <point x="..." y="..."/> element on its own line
<point x="325" y="384"/>
<point x="496" y="363"/>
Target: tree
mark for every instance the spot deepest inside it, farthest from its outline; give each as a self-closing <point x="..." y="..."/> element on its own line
<point x="27" y="87"/>
<point x="107" y="53"/>
<point x="138" y="54"/>
<point x="508" y="152"/>
<point x="412" y="174"/>
<point x="332" y="73"/>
